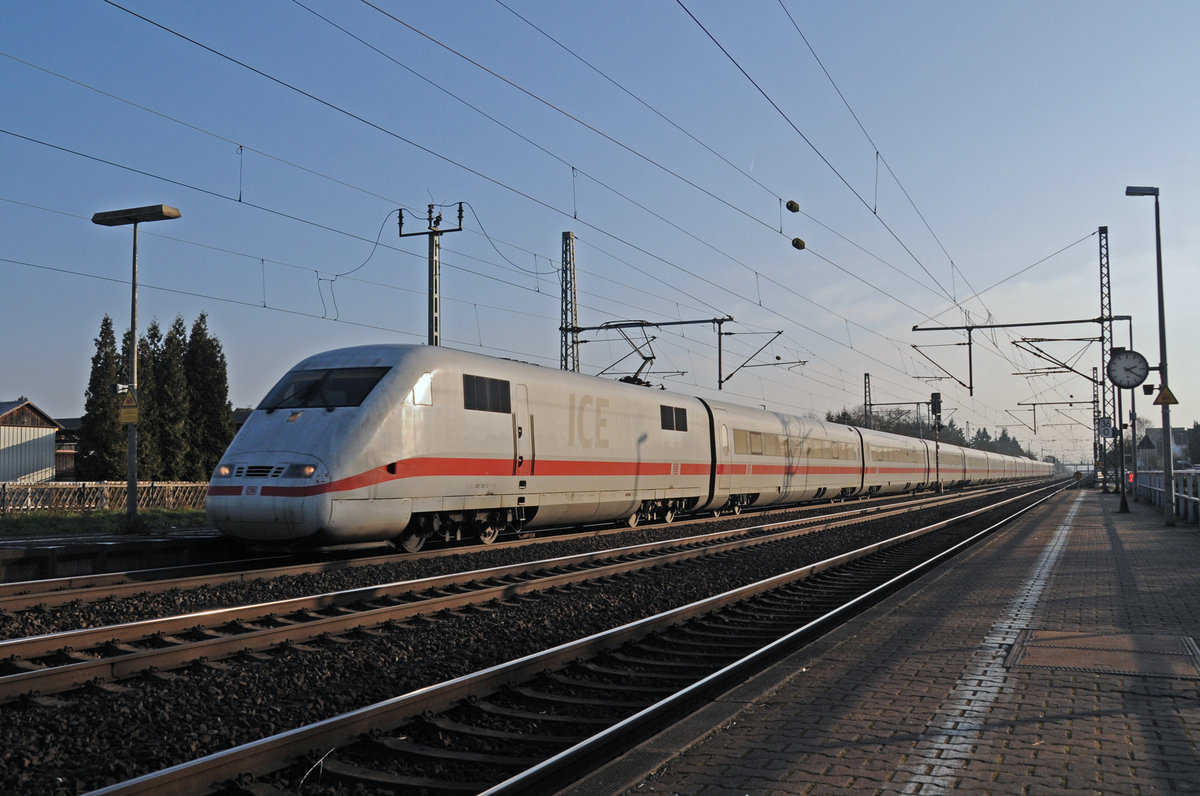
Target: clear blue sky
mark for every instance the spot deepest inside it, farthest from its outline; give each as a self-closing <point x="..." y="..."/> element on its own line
<point x="977" y="149"/>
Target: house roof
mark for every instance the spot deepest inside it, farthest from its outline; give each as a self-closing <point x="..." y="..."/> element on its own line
<point x="23" y="412"/>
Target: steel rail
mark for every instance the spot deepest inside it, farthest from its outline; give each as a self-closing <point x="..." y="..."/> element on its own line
<point x="656" y="717"/>
<point x="223" y="633"/>
<point x="53" y="592"/>
<point x="257" y="758"/>
<point x="37" y="646"/>
<point x="144" y="576"/>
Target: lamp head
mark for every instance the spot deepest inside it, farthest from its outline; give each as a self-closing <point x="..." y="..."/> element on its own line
<point x="135" y="215"/>
<point x="1141" y="190"/>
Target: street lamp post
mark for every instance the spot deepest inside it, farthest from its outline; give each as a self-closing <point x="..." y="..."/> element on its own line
<point x="1164" y="393"/>
<point x="116" y="218"/>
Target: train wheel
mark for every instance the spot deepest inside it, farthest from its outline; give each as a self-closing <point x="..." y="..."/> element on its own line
<point x="669" y="516"/>
<point x="736" y="508"/>
<point x="633" y="520"/>
<point x="489" y="533"/>
<point x="411" y="542"/>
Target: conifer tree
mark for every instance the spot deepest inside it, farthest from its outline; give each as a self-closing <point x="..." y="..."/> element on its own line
<point x="185" y="421"/>
<point x="149" y="462"/>
<point x="171" y="400"/>
<point x="101" y="452"/>
<point x="211" y="422"/>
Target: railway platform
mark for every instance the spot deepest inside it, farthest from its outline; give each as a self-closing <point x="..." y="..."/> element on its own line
<point x="1058" y="655"/>
<point x="89" y="554"/>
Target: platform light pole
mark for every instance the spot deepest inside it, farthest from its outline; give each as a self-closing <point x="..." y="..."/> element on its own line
<point x="117" y="218"/>
<point x="1164" y="395"/>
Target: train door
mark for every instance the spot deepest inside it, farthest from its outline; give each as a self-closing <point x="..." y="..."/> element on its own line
<point x="523" y="448"/>
<point x="722" y="443"/>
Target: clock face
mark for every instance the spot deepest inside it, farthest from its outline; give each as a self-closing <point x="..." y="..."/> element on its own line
<point x="1127" y="368"/>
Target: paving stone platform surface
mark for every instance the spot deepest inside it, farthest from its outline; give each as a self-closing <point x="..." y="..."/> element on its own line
<point x="1057" y="656"/>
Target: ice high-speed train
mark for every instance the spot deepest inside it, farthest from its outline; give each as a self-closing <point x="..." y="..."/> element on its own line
<point x="404" y="443"/>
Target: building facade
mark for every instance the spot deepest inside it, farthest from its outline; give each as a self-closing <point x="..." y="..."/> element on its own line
<point x="27" y="443"/>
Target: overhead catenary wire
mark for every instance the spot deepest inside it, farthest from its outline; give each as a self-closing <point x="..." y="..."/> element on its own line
<point x="368" y="240"/>
<point x="179" y="183"/>
<point x="814" y="148"/>
<point x="265" y="209"/>
<point x="335" y="107"/>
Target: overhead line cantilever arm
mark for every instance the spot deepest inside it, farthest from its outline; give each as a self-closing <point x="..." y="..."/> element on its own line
<point x="643" y="324"/>
<point x="970" y="364"/>
<point x="1029" y="347"/>
<point x="972" y="327"/>
<point x="636" y="324"/>
<point x="721" y="379"/>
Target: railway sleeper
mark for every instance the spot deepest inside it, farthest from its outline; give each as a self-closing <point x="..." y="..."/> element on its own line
<point x="370" y="776"/>
<point x="578" y="701"/>
<point x="443" y="724"/>
<point x="17" y="666"/>
<point x="658" y="692"/>
<point x="702" y="637"/>
<point x="515" y="713"/>
<point x="407" y="747"/>
<point x="734" y="632"/>
<point x="632" y="673"/>
<point x="698" y="665"/>
<point x="703" y="656"/>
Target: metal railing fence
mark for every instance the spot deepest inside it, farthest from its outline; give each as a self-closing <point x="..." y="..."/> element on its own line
<point x="1149" y="488"/>
<point x="83" y="497"/>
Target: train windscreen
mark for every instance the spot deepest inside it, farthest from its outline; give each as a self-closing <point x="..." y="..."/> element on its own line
<point x="325" y="388"/>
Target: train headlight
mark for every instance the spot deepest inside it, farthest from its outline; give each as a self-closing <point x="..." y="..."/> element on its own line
<point x="300" y="471"/>
<point x="223" y="471"/>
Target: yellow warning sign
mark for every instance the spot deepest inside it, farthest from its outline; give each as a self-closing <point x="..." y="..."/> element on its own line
<point x="1165" y="397"/>
<point x="129" y="409"/>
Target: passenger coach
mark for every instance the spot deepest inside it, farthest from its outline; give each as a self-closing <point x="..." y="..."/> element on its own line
<point x="409" y="442"/>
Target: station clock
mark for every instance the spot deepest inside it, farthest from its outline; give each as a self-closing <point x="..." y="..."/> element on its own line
<point x="1127" y="368"/>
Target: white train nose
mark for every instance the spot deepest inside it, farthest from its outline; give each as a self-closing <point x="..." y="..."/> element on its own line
<point x="269" y="497"/>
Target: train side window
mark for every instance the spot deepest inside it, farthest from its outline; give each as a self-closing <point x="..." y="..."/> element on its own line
<point x="486" y="395"/>
<point x="674" y="418"/>
<point x="422" y="392"/>
<point x="756" y="443"/>
<point x="770" y="444"/>
<point x="724" y="440"/>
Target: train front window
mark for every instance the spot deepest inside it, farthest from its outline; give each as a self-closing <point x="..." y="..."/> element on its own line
<point x="328" y="388"/>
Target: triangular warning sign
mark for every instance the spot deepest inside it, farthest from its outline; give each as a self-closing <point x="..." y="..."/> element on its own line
<point x="130" y="401"/>
<point x="1165" y="397"/>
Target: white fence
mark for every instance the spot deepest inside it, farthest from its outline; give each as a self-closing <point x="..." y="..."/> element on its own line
<point x="1149" y="487"/>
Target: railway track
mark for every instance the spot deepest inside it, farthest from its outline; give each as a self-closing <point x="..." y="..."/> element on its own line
<point x="48" y="664"/>
<point x="53" y="592"/>
<point x="535" y="723"/>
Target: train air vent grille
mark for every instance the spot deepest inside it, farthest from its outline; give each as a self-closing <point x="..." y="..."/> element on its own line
<point x="263" y="471"/>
